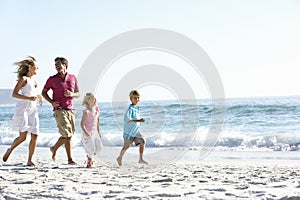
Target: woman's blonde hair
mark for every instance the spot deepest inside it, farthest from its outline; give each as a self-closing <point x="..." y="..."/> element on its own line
<point x="23" y="66"/>
<point x="88" y="96"/>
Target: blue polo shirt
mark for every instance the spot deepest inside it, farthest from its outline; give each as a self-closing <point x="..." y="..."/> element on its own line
<point x="131" y="129"/>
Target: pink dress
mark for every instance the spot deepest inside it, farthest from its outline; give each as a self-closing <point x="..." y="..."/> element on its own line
<point x="26" y="114"/>
<point x="92" y="143"/>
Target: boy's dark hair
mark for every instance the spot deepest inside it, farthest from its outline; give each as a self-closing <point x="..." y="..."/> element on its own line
<point x="62" y="60"/>
<point x="134" y="93"/>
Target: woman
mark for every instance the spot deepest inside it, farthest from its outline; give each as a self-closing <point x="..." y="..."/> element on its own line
<point x="26" y="118"/>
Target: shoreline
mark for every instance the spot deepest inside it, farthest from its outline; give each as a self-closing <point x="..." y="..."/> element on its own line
<point x="166" y="155"/>
<point x="221" y="175"/>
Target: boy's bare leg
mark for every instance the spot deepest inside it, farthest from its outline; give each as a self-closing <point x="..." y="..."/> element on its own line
<point x="142" y="147"/>
<point x="32" y="145"/>
<point x="54" y="148"/>
<point x="16" y="142"/>
<point x="119" y="159"/>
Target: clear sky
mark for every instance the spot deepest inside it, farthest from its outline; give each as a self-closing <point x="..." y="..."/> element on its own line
<point x="255" y="44"/>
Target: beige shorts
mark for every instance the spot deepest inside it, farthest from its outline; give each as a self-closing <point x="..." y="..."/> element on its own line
<point x="138" y="139"/>
<point x="65" y="120"/>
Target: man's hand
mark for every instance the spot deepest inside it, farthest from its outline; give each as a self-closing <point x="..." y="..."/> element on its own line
<point x="55" y="104"/>
<point x="68" y="93"/>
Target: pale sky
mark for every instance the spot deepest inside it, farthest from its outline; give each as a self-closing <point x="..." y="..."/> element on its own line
<point x="254" y="44"/>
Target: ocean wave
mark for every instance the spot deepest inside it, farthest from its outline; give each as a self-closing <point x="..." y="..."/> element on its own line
<point x="227" y="140"/>
<point x="256" y="109"/>
<point x="261" y="123"/>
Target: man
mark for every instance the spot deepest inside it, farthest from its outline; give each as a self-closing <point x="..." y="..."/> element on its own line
<point x="64" y="88"/>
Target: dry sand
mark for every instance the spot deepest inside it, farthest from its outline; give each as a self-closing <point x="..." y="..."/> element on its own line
<point x="221" y="175"/>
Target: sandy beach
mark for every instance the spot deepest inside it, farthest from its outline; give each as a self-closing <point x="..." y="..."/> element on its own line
<point x="221" y="175"/>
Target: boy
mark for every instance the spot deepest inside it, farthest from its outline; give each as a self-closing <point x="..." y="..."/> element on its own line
<point x="131" y="133"/>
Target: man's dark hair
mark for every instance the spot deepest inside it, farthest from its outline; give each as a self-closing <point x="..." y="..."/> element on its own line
<point x="62" y="60"/>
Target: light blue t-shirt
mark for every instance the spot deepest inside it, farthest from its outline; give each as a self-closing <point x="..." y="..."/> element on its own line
<point x="131" y="129"/>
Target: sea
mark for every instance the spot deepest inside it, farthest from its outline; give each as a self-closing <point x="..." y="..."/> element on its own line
<point x="256" y="123"/>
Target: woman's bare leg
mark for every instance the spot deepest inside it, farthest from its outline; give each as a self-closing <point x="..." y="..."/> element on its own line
<point x="32" y="146"/>
<point x="16" y="142"/>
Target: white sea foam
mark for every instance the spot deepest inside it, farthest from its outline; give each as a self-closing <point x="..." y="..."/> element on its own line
<point x="228" y="140"/>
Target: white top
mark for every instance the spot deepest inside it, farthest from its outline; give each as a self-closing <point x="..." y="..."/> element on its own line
<point x="28" y="90"/>
<point x="26" y="114"/>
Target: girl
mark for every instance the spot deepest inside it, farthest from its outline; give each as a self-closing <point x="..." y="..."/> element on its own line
<point x="26" y="118"/>
<point x="90" y="125"/>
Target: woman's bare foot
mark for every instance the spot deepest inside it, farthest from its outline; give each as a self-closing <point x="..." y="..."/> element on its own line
<point x="141" y="161"/>
<point x="119" y="160"/>
<point x="6" y="155"/>
<point x="53" y="153"/>
<point x="30" y="164"/>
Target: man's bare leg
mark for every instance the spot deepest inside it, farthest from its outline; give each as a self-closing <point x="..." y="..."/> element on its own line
<point x="68" y="151"/>
<point x="54" y="148"/>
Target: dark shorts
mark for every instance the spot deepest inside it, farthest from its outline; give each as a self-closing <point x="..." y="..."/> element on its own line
<point x="138" y="139"/>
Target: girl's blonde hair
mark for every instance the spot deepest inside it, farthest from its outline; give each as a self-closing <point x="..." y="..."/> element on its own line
<point x="23" y="66"/>
<point x="87" y="97"/>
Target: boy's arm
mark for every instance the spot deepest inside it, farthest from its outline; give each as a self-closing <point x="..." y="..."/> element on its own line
<point x="129" y="116"/>
<point x="137" y="120"/>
